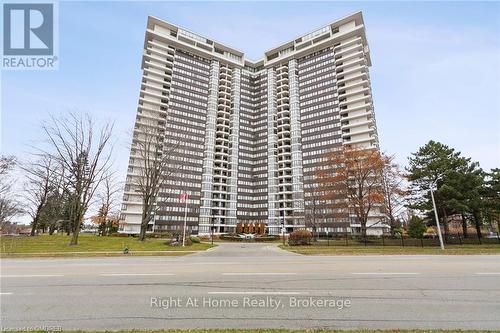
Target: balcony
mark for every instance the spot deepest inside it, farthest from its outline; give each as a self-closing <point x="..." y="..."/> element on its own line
<point x="222" y="152"/>
<point x="367" y="97"/>
<point x="358" y="72"/>
<point x="358" y="132"/>
<point x="353" y="93"/>
<point x="222" y="122"/>
<point x="342" y="50"/>
<point x="283" y="94"/>
<point x="284" y="153"/>
<point x="285" y="177"/>
<point x="155" y="102"/>
<point x="348" y="56"/>
<point x="165" y="48"/>
<point x="154" y="50"/>
<point x="158" y="84"/>
<point x="164" y="69"/>
<point x="351" y="142"/>
<point x="159" y="73"/>
<point x="342" y="86"/>
<point x="220" y="140"/>
<point x="352" y="125"/>
<point x="162" y="61"/>
<point x="283" y="112"/>
<point x="344" y="45"/>
<point x="283" y="124"/>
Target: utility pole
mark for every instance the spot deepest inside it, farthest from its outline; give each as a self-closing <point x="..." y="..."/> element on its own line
<point x="436" y="214"/>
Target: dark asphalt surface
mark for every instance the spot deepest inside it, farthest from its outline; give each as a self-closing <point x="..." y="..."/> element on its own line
<point x="252" y="286"/>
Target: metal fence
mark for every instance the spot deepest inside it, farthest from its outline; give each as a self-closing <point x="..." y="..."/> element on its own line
<point x="346" y="239"/>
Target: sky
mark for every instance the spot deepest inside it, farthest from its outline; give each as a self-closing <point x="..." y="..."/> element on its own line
<point x="435" y="67"/>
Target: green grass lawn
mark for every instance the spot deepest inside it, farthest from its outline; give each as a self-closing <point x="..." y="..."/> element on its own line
<point x="91" y="245"/>
<point x="360" y="250"/>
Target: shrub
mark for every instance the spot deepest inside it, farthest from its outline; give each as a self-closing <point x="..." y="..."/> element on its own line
<point x="300" y="237"/>
<point x="159" y="235"/>
<point x="117" y="234"/>
<point x="231" y="237"/>
<point x="194" y="239"/>
<point x="175" y="242"/>
<point x="266" y="238"/>
<point x="416" y="227"/>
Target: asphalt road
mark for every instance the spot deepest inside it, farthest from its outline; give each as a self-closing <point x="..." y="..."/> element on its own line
<point x="252" y="286"/>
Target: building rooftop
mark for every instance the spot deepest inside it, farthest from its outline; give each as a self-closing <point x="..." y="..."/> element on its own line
<point x="306" y="43"/>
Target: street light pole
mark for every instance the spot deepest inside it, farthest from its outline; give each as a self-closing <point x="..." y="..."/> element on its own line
<point x="185" y="221"/>
<point x="436" y="215"/>
<point x="283" y="229"/>
<point x="212" y="231"/>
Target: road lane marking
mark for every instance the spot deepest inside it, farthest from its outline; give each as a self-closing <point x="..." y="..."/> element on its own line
<point x="136" y="274"/>
<point x="261" y="273"/>
<point x="486" y="273"/>
<point x="214" y="263"/>
<point x="32" y="275"/>
<point x="5" y="293"/>
<point x="387" y="273"/>
<point x="257" y="293"/>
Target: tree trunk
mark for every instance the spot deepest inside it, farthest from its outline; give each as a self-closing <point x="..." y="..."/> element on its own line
<point x="76" y="231"/>
<point x="142" y="234"/>
<point x="498" y="230"/>
<point x="392" y="224"/>
<point x="51" y="229"/>
<point x="363" y="228"/>
<point x="33" y="226"/>
<point x="74" y="239"/>
<point x="102" y="227"/>
<point x="464" y="225"/>
<point x="145" y="217"/>
<point x="477" y="223"/>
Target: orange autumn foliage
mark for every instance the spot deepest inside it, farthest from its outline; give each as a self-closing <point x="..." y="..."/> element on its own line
<point x="352" y="178"/>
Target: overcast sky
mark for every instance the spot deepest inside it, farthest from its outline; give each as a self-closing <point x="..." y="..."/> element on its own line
<point x="435" y="72"/>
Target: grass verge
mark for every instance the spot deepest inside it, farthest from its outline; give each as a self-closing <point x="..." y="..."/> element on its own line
<point x="361" y="250"/>
<point x="90" y="245"/>
<point x="282" y="331"/>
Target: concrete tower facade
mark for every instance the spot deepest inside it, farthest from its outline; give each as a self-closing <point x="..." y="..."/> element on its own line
<point x="250" y="134"/>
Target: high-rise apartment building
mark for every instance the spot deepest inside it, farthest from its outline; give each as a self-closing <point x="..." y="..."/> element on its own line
<point x="250" y="134"/>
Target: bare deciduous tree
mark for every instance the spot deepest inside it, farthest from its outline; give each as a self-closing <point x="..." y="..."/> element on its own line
<point x="157" y="161"/>
<point x="7" y="163"/>
<point x="314" y="212"/>
<point x="9" y="207"/>
<point x="85" y="158"/>
<point x="42" y="182"/>
<point x="108" y="203"/>
<point x="393" y="183"/>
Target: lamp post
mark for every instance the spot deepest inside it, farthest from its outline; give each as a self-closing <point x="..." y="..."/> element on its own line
<point x="283" y="229"/>
<point x="185" y="196"/>
<point x="212" y="231"/>
<point x="436" y="214"/>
